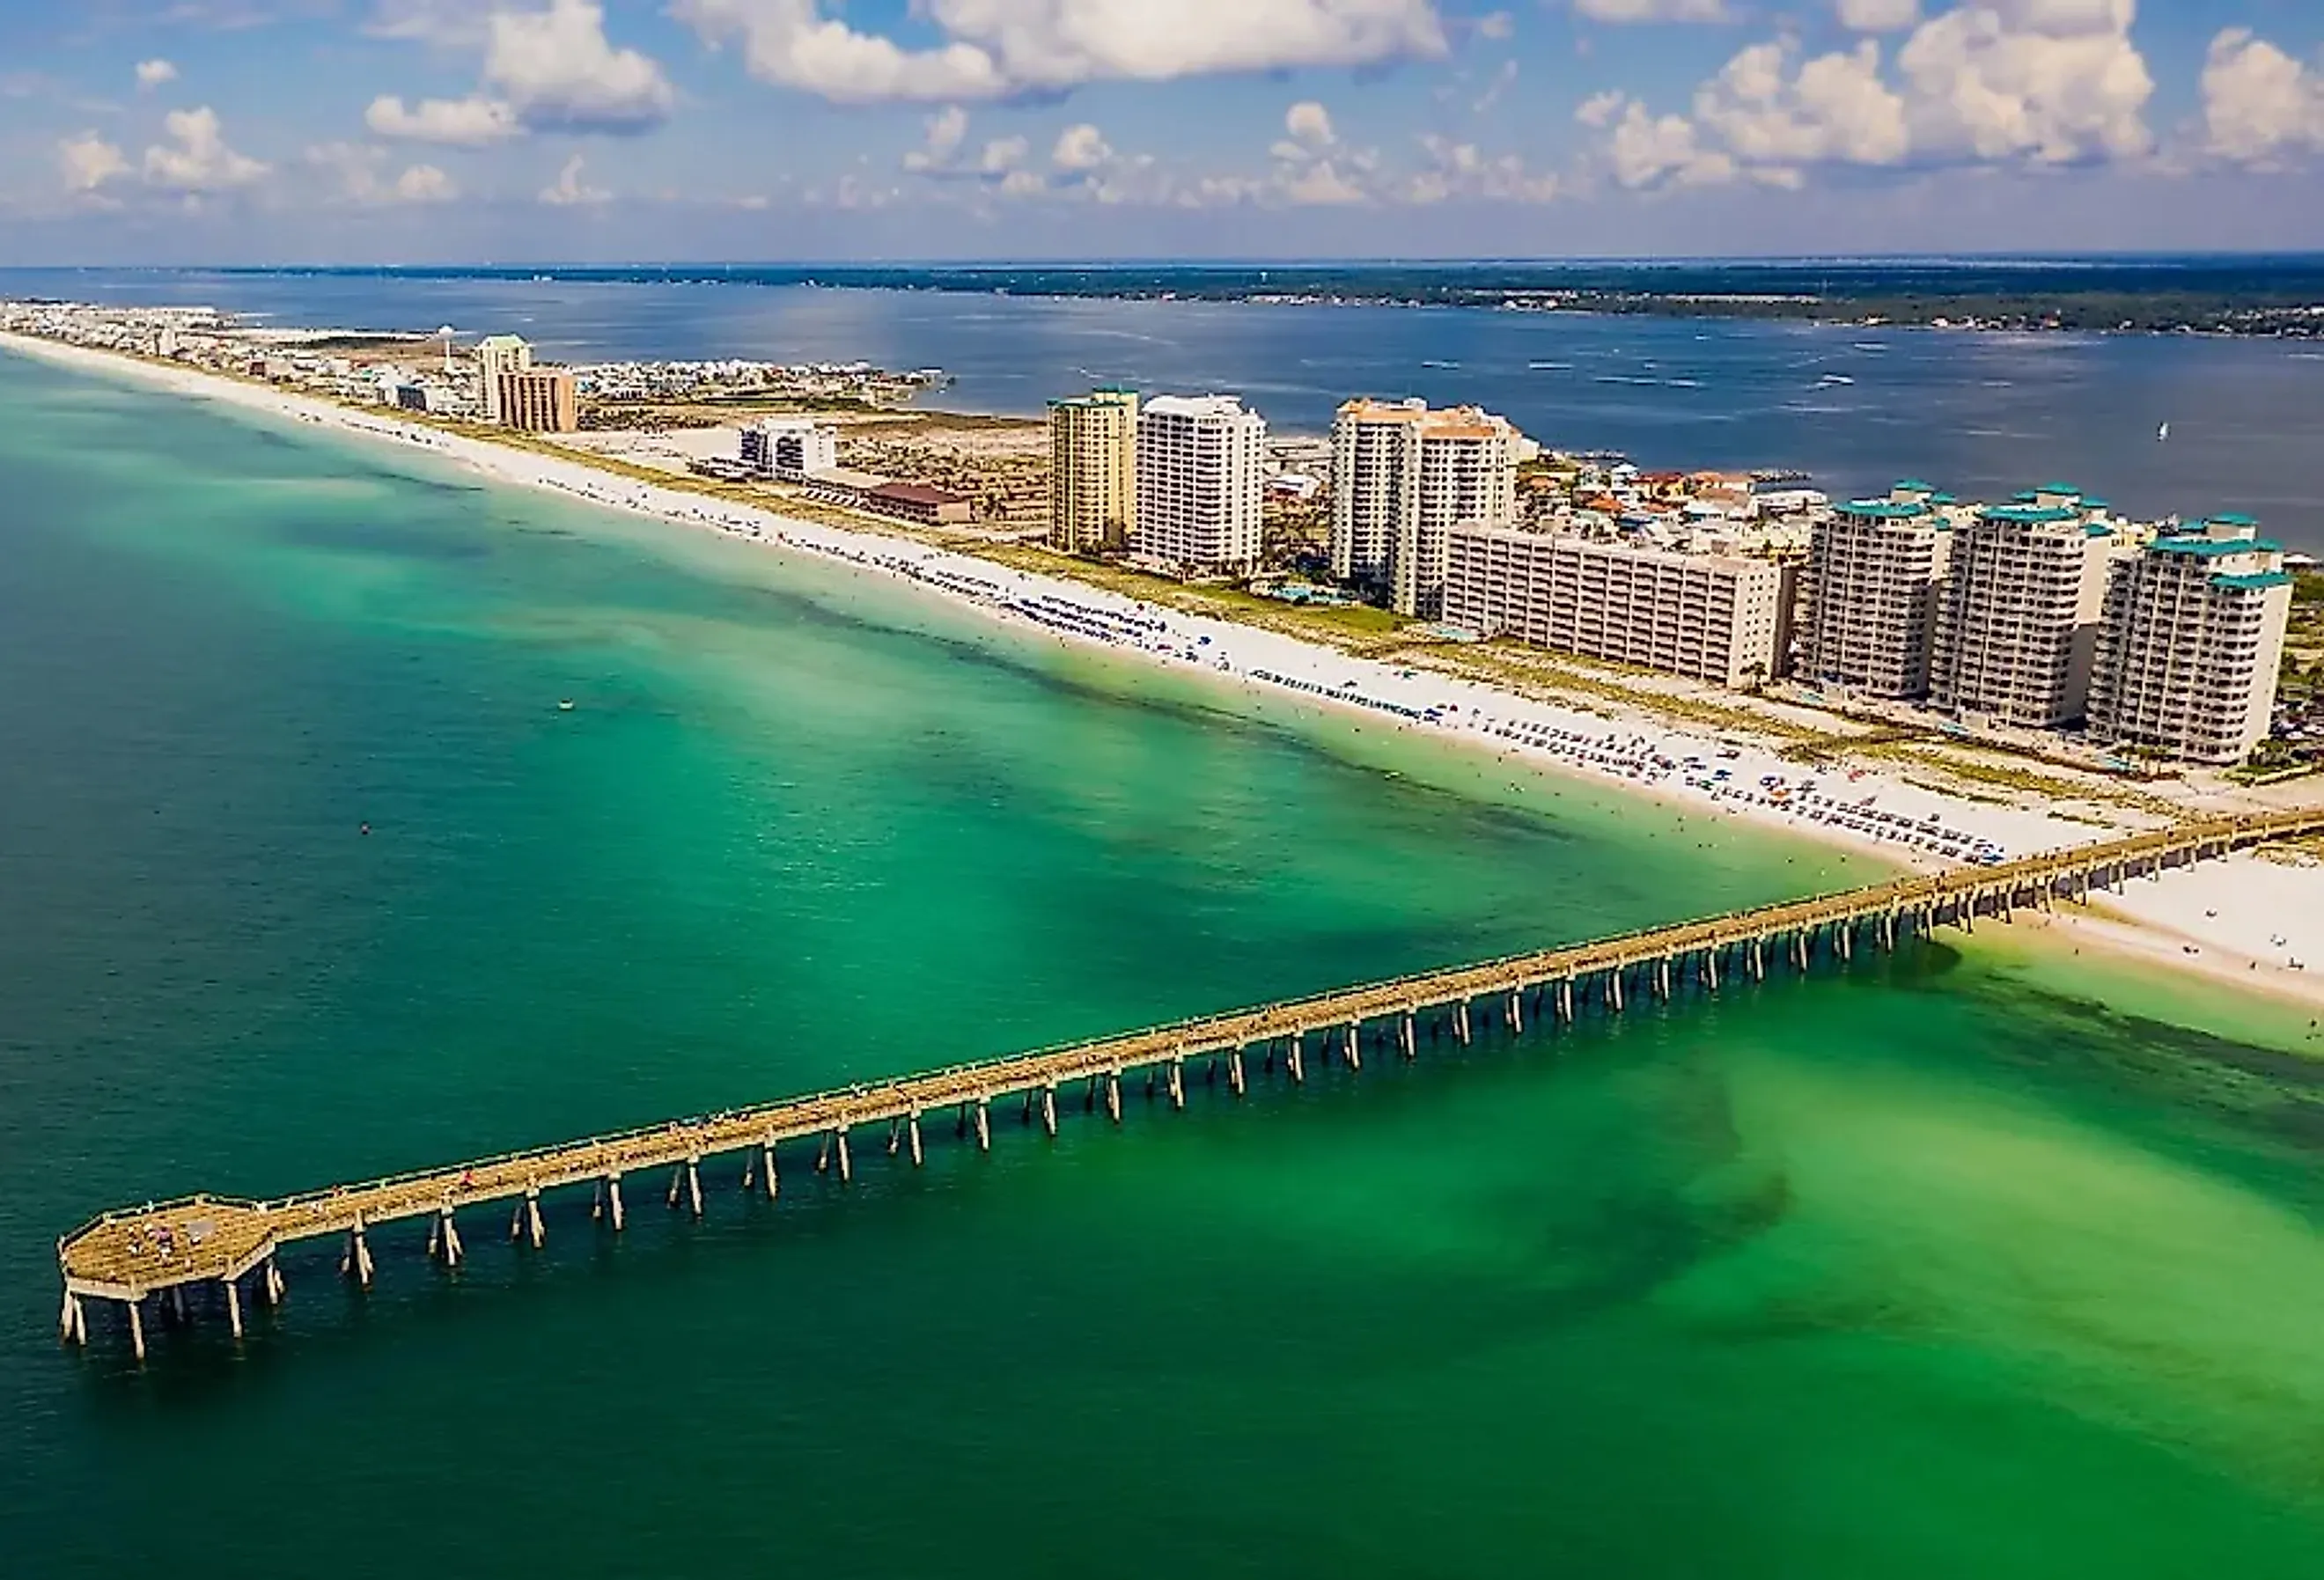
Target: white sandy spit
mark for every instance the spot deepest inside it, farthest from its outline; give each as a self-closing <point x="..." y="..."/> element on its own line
<point x="1906" y="824"/>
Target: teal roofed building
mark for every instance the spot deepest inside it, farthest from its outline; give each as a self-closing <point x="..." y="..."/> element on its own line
<point x="2017" y="616"/>
<point x="2191" y="642"/>
<point x="1869" y="603"/>
<point x="1885" y="510"/>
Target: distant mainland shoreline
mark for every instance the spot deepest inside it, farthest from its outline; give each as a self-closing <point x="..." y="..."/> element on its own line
<point x="2278" y="297"/>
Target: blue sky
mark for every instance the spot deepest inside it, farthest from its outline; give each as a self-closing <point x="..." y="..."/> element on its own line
<point x="359" y="130"/>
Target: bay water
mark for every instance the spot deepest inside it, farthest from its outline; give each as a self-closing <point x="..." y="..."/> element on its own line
<point x="1995" y="1263"/>
<point x="1857" y="407"/>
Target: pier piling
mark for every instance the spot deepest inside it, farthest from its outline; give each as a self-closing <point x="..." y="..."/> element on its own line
<point x="356" y="1262"/>
<point x="446" y="1238"/>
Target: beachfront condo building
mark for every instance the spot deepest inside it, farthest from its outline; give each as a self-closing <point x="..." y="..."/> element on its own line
<point x="498" y="355"/>
<point x="790" y="449"/>
<point x="1093" y="471"/>
<point x="1869" y="594"/>
<point x="1402" y="477"/>
<point x="540" y="400"/>
<point x="2017" y="614"/>
<point x="2190" y="643"/>
<point x="1201" y="465"/>
<point x="1700" y="616"/>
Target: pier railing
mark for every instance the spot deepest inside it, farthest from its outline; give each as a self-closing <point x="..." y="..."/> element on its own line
<point x="164" y="1248"/>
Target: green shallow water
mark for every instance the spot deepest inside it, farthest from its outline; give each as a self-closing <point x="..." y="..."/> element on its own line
<point x="1981" y="1264"/>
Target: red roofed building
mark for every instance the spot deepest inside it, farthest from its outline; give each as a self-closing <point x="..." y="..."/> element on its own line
<point x="917" y="502"/>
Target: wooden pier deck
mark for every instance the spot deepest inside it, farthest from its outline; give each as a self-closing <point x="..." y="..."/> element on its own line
<point x="164" y="1248"/>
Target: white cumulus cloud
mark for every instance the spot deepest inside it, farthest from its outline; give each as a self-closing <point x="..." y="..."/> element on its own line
<point x="1832" y="109"/>
<point x="1081" y="147"/>
<point x="459" y="123"/>
<point x="2047" y="81"/>
<point x="424" y="184"/>
<point x="560" y="73"/>
<point x="943" y="133"/>
<point x="569" y="191"/>
<point x="1461" y="170"/>
<point x="1000" y="49"/>
<point x="196" y="159"/>
<point x="88" y="162"/>
<point x="1637" y="11"/>
<point x="1878" y="15"/>
<point x="1646" y="149"/>
<point x="155" y="72"/>
<point x="546" y="70"/>
<point x="2028" y="82"/>
<point x="1600" y="110"/>
<point x="360" y="176"/>
<point x="2259" y="103"/>
<point x="943" y="154"/>
<point x="1310" y="124"/>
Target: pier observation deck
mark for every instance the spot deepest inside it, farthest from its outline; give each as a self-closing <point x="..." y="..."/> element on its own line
<point x="167" y="1248"/>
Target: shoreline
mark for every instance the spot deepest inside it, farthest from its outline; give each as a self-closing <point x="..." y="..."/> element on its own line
<point x="1856" y="810"/>
<point x="1954" y="314"/>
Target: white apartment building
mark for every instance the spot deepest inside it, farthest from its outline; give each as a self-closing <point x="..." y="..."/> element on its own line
<point x="789" y="448"/>
<point x="1093" y="471"/>
<point x="498" y="355"/>
<point x="1693" y="614"/>
<point x="1201" y="465"/>
<point x="2017" y="614"/>
<point x="1869" y="596"/>
<point x="2190" y="643"/>
<point x="1402" y="477"/>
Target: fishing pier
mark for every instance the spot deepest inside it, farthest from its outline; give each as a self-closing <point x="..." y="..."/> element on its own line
<point x="166" y="1251"/>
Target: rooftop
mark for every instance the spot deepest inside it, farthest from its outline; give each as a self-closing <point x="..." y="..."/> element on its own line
<point x="1365" y="408"/>
<point x="2254" y="581"/>
<point x="1108" y="398"/>
<point x="1212" y="408"/>
<point x="2028" y="515"/>
<point x="915" y="494"/>
<point x="2200" y="547"/>
<point x="1887" y="509"/>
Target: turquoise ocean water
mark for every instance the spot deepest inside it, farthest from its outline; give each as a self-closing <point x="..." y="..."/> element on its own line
<point x="1992" y="1265"/>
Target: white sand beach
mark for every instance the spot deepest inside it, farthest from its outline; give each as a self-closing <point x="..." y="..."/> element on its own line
<point x="2229" y="914"/>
